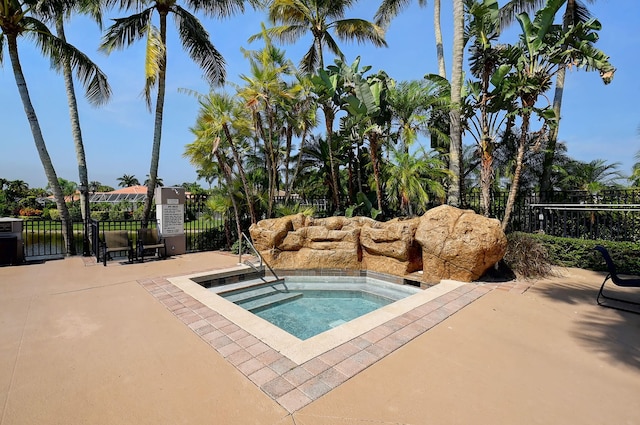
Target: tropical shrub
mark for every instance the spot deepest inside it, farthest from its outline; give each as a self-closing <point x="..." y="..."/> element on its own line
<point x="531" y="254"/>
<point x="100" y="215"/>
<point x="571" y="252"/>
<point x="75" y="212"/>
<point x="116" y="214"/>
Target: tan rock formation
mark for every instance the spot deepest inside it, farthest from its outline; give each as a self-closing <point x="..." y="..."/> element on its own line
<point x="447" y="243"/>
<point x="390" y="247"/>
<point x="458" y="244"/>
<point x="316" y="243"/>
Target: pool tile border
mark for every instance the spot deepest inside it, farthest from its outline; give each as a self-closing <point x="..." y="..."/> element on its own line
<point x="294" y="385"/>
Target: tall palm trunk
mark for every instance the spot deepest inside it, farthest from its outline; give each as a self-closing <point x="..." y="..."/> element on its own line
<point x="328" y="120"/>
<point x="438" y="33"/>
<point x="373" y="146"/>
<point x="272" y="160"/>
<point x="549" y="153"/>
<point x="49" y="171"/>
<point x="296" y="171"/>
<point x="77" y="140"/>
<point x="226" y="171"/>
<point x="455" y="149"/>
<point x="243" y="177"/>
<point x="329" y="116"/>
<point x="486" y="148"/>
<point x="515" y="182"/>
<point x="157" y="130"/>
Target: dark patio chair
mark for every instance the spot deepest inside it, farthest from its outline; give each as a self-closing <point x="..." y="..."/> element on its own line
<point x="618" y="281"/>
<point x="116" y="241"/>
<point x="149" y="239"/>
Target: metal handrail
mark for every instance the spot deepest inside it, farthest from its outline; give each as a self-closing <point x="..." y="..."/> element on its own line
<point x="253" y="248"/>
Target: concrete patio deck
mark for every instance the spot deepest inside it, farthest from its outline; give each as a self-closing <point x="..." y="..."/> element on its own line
<point x="87" y="344"/>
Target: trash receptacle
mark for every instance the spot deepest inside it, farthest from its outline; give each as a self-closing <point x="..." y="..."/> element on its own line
<point x="11" y="243"/>
<point x="8" y="250"/>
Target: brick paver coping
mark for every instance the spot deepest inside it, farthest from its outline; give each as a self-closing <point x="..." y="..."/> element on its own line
<point x="293" y="385"/>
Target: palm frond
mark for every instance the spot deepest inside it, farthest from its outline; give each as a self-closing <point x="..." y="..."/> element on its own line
<point x="282" y="33"/>
<point x="509" y="11"/>
<point x="290" y="12"/>
<point x="335" y="9"/>
<point x="125" y="31"/>
<point x="332" y="45"/>
<point x="360" y="30"/>
<point x="579" y="13"/>
<point x="49" y="10"/>
<point x="310" y="60"/>
<point x="218" y="9"/>
<point x="125" y="4"/>
<point x="195" y="39"/>
<point x="154" y="61"/>
<point x="1" y="48"/>
<point x="92" y="78"/>
<point x="389" y="9"/>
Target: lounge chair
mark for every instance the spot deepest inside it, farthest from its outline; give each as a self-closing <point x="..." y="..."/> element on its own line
<point x="618" y="281"/>
<point x="116" y="241"/>
<point x="149" y="239"/>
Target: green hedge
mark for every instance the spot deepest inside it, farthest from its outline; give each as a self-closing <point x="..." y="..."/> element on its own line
<point x="568" y="252"/>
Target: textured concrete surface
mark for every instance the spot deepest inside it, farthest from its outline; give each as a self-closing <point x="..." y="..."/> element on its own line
<point x="86" y="344"/>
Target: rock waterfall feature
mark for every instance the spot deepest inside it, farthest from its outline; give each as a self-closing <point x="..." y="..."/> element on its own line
<point x="445" y="243"/>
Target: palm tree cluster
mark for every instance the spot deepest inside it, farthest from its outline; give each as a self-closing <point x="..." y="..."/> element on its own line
<point x="334" y="130"/>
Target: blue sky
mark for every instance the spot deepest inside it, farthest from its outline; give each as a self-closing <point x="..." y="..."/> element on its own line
<point x="598" y="121"/>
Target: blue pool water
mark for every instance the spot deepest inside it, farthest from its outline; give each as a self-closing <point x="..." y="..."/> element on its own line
<point x="318" y="311"/>
<point x="308" y="306"/>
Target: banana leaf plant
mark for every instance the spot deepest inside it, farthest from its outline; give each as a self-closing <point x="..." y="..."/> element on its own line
<point x="530" y="67"/>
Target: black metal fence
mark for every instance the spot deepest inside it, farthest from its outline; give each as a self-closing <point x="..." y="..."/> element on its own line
<point x="43" y="239"/>
<point x="609" y="215"/>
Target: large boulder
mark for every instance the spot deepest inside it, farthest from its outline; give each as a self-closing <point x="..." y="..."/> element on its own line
<point x="458" y="244"/>
<point x="390" y="247"/>
<point x="268" y="234"/>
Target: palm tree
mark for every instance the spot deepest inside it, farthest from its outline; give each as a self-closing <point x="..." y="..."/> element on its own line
<point x="195" y="40"/>
<point x="485" y="60"/>
<point x="412" y="180"/>
<point x="543" y="46"/>
<point x="16" y="20"/>
<point x="328" y="87"/>
<point x="575" y="12"/>
<point x="389" y="9"/>
<point x="17" y="188"/>
<point x="591" y="177"/>
<point x="61" y="13"/>
<point x="299" y="119"/>
<point x="455" y="146"/>
<point x="295" y="18"/>
<point x="128" y="180"/>
<point x="316" y="169"/>
<point x="411" y="104"/>
<point x="159" y="182"/>
<point x="266" y="94"/>
<point x="369" y="112"/>
<point x="226" y="119"/>
<point x="201" y="151"/>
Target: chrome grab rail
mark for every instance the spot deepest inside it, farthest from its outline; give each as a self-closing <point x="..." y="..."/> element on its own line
<point x="253" y="248"/>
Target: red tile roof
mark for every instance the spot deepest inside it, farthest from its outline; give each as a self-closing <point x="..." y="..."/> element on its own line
<point x="131" y="189"/>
